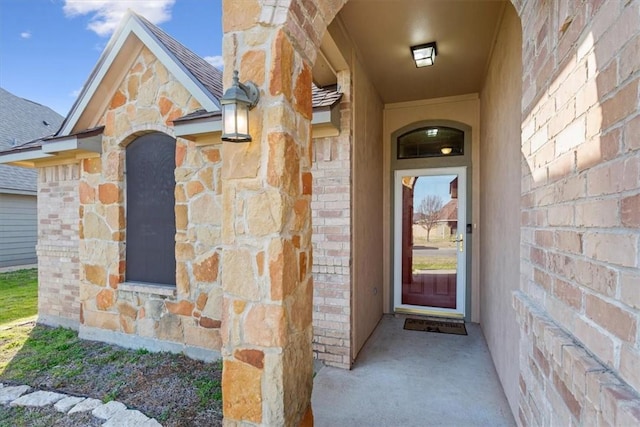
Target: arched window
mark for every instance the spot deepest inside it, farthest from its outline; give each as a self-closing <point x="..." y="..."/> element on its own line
<point x="151" y="222"/>
<point x="431" y="141"/>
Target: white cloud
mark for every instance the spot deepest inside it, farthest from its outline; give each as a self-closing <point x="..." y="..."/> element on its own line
<point x="75" y="93"/>
<point x="216" y="61"/>
<point x="25" y="34"/>
<point x="106" y="14"/>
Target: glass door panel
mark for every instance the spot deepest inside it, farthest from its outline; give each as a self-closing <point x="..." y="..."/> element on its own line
<point x="430" y="246"/>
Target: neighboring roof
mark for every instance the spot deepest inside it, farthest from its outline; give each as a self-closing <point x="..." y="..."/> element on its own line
<point x="449" y="212"/>
<point x="22" y="121"/>
<point x="30" y="145"/>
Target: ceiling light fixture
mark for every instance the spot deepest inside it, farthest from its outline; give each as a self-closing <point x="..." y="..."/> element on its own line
<point x="446" y="150"/>
<point x="425" y="54"/>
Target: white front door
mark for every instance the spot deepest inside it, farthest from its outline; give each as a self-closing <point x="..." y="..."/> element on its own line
<point x="430" y="241"/>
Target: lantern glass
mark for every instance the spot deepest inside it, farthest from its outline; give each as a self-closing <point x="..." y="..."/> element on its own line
<point x="236" y="122"/>
<point x="242" y="119"/>
<point x="229" y="119"/>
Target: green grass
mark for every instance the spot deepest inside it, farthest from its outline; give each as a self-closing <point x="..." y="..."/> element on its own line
<point x="208" y="391"/>
<point x="434" y="263"/>
<point x="18" y="295"/>
<point x="56" y="351"/>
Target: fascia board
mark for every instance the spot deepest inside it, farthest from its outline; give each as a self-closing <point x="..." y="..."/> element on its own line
<point x="327" y="115"/>
<point x="197" y="128"/>
<point x="23" y="156"/>
<point x="73" y="143"/>
<point x="321" y="117"/>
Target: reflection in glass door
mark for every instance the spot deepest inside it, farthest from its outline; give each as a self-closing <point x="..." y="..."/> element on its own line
<point x="430" y="239"/>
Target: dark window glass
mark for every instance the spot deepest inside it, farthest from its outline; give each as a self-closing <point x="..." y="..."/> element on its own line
<point x="431" y="141"/>
<point x="151" y="223"/>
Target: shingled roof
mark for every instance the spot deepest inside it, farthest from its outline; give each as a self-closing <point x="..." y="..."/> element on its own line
<point x="22" y="121"/>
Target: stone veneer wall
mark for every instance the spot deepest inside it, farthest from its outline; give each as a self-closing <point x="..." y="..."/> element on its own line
<point x="331" y="222"/>
<point x="579" y="301"/>
<point x="58" y="263"/>
<point x="188" y="316"/>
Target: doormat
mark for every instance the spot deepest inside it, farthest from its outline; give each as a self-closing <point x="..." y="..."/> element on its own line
<point x="435" y="326"/>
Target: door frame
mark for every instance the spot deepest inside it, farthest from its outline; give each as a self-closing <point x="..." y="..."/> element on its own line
<point x="462" y="270"/>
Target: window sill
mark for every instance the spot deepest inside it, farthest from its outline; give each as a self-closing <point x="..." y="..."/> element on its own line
<point x="148" y="288"/>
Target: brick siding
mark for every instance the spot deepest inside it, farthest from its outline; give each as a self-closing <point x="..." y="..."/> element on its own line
<point x="580" y="233"/>
<point x="331" y="219"/>
<point x="58" y="263"/>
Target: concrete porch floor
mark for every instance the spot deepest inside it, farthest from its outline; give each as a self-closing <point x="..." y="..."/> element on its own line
<point x="410" y="378"/>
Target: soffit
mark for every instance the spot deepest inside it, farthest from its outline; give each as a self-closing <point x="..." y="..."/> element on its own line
<point x="383" y="31"/>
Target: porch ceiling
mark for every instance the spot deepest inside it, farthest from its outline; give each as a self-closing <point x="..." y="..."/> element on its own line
<point x="383" y="31"/>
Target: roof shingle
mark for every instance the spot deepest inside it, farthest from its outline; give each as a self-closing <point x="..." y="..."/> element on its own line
<point x="324" y="96"/>
<point x="22" y="121"/>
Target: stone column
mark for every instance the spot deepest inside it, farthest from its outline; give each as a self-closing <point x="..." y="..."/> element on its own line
<point x="266" y="229"/>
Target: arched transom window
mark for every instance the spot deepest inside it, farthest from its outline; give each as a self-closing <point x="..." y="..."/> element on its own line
<point x="431" y="141"/>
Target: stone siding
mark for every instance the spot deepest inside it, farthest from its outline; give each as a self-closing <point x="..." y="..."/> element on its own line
<point x="580" y="210"/>
<point x="331" y="219"/>
<point x="148" y="99"/>
<point x="58" y="262"/>
<point x="268" y="375"/>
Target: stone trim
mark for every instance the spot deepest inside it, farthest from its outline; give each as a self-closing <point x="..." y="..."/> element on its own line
<point x="148" y="288"/>
<point x="136" y="342"/>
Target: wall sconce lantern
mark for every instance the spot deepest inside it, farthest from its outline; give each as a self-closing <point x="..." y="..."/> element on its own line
<point x="425" y="54"/>
<point x="236" y="103"/>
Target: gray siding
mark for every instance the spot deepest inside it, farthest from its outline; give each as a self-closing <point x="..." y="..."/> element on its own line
<point x="18" y="229"/>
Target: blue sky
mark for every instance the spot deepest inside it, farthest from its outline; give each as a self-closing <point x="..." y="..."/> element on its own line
<point x="437" y="185"/>
<point x="49" y="47"/>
